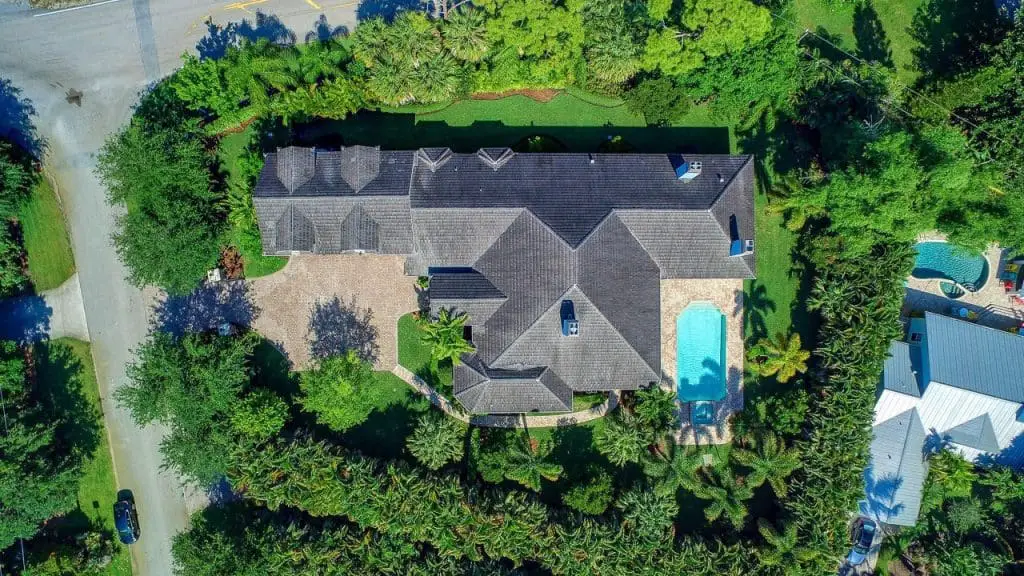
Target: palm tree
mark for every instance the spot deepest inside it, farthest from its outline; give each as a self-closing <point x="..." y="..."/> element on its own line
<point x="437" y="440"/>
<point x="317" y="61"/>
<point x="257" y="68"/>
<point x="783" y="546"/>
<point x="647" y="514"/>
<point x="436" y="79"/>
<point x="727" y="494"/>
<point x="445" y="336"/>
<point x="465" y="34"/>
<point x="622" y="439"/>
<point x="528" y="464"/>
<point x="770" y="462"/>
<point x="781" y="357"/>
<point x="678" y="470"/>
<point x="370" y="41"/>
<point x="391" y="81"/>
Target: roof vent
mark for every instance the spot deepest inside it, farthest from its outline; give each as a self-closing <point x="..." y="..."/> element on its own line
<point x="721" y="179"/>
<point x="570" y="325"/>
<point x="741" y="247"/>
<point x="687" y="170"/>
<point x="433" y="158"/>
<point x="495" y="157"/>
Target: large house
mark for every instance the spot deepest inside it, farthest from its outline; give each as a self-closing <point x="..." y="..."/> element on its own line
<point x="556" y="258"/>
<point x="952" y="384"/>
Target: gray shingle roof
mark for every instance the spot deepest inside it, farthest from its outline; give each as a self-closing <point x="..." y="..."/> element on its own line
<point x="894" y="480"/>
<point x="484" y="391"/>
<point x="975" y="358"/>
<point x="976" y="433"/>
<point x="898" y="374"/>
<point x="534" y="230"/>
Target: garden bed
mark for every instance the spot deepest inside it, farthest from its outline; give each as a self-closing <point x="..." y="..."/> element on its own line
<point x="540" y="95"/>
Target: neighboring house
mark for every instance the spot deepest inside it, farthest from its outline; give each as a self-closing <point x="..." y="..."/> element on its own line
<point x="953" y="384"/>
<point x="556" y="258"/>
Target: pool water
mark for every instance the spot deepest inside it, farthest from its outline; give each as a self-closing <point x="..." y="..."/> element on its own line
<point x="700" y="353"/>
<point x="948" y="262"/>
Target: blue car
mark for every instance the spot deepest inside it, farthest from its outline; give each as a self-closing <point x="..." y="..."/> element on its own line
<point x="864" y="537"/>
<point x="126" y="519"/>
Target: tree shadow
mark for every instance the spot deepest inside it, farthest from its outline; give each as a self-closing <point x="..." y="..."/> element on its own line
<point x="323" y="31"/>
<point x="872" y="43"/>
<point x="756" y="306"/>
<point x="336" y="327"/>
<point x="383" y="433"/>
<point x="388" y="9"/>
<point x="16" y="124"/>
<point x="26" y="319"/>
<point x="272" y="370"/>
<point x="206" y="308"/>
<point x="264" y="26"/>
<point x="952" y="37"/>
<point x="59" y="376"/>
<point x="217" y="40"/>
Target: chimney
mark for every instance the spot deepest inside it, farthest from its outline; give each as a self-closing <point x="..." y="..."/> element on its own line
<point x="570" y="325"/>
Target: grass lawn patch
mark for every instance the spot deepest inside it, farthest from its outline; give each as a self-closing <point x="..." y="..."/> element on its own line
<point x="588" y="401"/>
<point x="65" y="368"/>
<point x="50" y="259"/>
<point x="846" y="24"/>
<point x="392" y="421"/>
<point x="229" y="151"/>
<point x="414" y="355"/>
<point x="467" y="125"/>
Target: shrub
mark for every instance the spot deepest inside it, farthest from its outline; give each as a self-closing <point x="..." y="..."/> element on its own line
<point x="591" y="497"/>
<point x="437" y="440"/>
<point x="658" y="100"/>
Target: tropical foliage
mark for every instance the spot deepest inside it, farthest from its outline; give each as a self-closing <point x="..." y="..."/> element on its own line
<point x="445" y="337"/>
<point x="437" y="440"/>
<point x="781" y="357"/>
<point x="340" y="390"/>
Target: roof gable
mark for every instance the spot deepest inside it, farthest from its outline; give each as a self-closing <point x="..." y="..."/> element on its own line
<point x="976" y="433"/>
<point x="504" y="392"/>
<point x="902" y="369"/>
<point x="894" y="480"/>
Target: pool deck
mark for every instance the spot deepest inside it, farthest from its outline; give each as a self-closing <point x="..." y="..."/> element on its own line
<point x="727" y="294"/>
<point x="993" y="306"/>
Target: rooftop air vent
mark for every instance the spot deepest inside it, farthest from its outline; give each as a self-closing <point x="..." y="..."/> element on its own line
<point x="687" y="170"/>
<point x="570" y="325"/>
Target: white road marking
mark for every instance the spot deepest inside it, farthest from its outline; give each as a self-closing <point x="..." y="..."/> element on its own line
<point x="75" y="8"/>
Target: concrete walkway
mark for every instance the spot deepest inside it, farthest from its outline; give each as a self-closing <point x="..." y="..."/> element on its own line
<point x="507" y="421"/>
<point x="57" y="313"/>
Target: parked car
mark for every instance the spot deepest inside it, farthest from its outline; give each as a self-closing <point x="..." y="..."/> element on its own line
<point x="864" y="536"/>
<point x="126" y="519"/>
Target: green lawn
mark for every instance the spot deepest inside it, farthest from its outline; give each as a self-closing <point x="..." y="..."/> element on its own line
<point x="895" y="16"/>
<point x="414" y="354"/>
<point x="66" y="369"/>
<point x="465" y="126"/>
<point x="229" y="151"/>
<point x="50" y="260"/>
<point x="394" y="418"/>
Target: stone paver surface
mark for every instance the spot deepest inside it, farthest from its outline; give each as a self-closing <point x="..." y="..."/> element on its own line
<point x="727" y="295"/>
<point x="371" y="289"/>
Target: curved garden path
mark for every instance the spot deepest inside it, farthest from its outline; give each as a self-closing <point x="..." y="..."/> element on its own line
<point x="507" y="421"/>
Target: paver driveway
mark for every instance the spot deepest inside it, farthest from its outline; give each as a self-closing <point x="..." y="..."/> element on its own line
<point x="322" y="304"/>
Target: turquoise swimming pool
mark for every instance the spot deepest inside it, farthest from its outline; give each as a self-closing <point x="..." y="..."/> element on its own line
<point x="700" y="353"/>
<point x="947" y="262"/>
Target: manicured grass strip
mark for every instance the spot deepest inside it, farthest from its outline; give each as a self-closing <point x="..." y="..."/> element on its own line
<point x="98" y="489"/>
<point x="770" y="298"/>
<point x="230" y="149"/>
<point x="414" y="354"/>
<point x="50" y="259"/>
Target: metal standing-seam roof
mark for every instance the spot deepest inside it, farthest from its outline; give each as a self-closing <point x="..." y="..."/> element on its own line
<point x="902" y="369"/>
<point x="973" y="357"/>
<point x="976" y="433"/>
<point x="894" y="480"/>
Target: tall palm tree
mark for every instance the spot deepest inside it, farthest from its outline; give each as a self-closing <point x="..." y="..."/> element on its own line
<point x="465" y="34"/>
<point x="528" y="463"/>
<point x="370" y="41"/>
<point x="678" y="470"/>
<point x="622" y="439"/>
<point x="436" y="79"/>
<point x="727" y="494"/>
<point x="445" y="336"/>
<point x="783" y="545"/>
<point x="317" y="61"/>
<point x="770" y="462"/>
<point x="782" y="357"/>
<point x="258" y="69"/>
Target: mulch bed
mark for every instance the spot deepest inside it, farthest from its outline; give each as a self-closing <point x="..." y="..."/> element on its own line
<point x="545" y="95"/>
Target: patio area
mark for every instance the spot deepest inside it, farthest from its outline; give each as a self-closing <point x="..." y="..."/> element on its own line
<point x="320" y="305"/>
<point x="727" y="296"/>
<point x="990" y="305"/>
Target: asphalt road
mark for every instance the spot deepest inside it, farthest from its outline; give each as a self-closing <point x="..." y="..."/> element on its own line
<point x="109" y="52"/>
